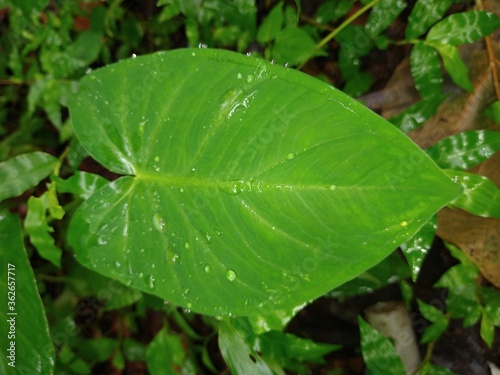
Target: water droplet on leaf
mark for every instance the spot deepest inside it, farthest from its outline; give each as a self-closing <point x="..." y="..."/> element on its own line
<point x="404" y="224"/>
<point x="230" y="275"/>
<point x="290" y="156"/>
<point x="207" y="268"/>
<point x="159" y="222"/>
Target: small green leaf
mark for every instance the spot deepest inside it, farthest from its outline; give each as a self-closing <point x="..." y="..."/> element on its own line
<point x="358" y="84"/>
<point x="487" y="329"/>
<point x="491" y="301"/>
<point x="165" y="354"/>
<point x="382" y="15"/>
<point x="416" y="249"/>
<point x="455" y="67"/>
<point x="462" y="28"/>
<point x="97" y="349"/>
<point x="331" y="10"/>
<point x="290" y="351"/>
<point x="238" y="353"/>
<point x="271" y="26"/>
<point x="417" y="114"/>
<point x="29" y="7"/>
<point x="275" y="320"/>
<point x="424" y="14"/>
<point x="438" y="319"/>
<point x="426" y="70"/>
<point x="379" y="353"/>
<point x="466" y="149"/>
<point x="134" y="351"/>
<point x="23" y="172"/>
<point x="25" y="341"/>
<point x="462" y="301"/>
<point x="81" y="184"/>
<point x="432" y="369"/>
<point x="390" y="270"/>
<point x="480" y="195"/>
<point x="493" y="112"/>
<point x="293" y="46"/>
<point x="38" y="230"/>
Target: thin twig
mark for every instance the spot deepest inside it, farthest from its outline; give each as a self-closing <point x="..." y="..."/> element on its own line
<point x="491" y="57"/>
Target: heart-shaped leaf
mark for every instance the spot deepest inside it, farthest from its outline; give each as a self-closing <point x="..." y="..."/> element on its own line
<point x="249" y="187"/>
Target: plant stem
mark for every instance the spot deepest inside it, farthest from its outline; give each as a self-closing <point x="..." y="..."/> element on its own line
<point x="491" y="57"/>
<point x="346" y="23"/>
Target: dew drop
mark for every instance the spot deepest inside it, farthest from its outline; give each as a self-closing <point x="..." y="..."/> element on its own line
<point x="404" y="224"/>
<point x="239" y="76"/>
<point x="159" y="222"/>
<point x="157" y="158"/>
<point x="207" y="268"/>
<point x="187" y="245"/>
<point x="332" y="187"/>
<point x="118" y="264"/>
<point x="230" y="275"/>
<point x="250" y="78"/>
<point x="208" y="237"/>
<point x="172" y="256"/>
<point x="290" y="156"/>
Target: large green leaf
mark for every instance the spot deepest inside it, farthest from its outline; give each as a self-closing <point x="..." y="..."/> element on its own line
<point x="25" y="342"/>
<point x="250" y="187"/>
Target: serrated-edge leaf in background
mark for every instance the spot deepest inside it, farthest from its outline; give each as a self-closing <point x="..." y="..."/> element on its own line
<point x="23" y="172"/>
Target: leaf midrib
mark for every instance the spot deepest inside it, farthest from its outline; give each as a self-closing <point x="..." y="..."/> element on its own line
<point x="247" y="185"/>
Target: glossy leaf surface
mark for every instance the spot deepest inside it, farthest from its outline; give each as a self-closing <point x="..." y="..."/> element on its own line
<point x="250" y="187"/>
<point x="22" y="314"/>
<point x="379" y="353"/>
<point x="81" y="184"/>
<point x="461" y="28"/>
<point x="423" y="15"/>
<point x="382" y="15"/>
<point x="466" y="149"/>
<point x="23" y="172"/>
<point x="480" y="196"/>
<point x="416" y="249"/>
<point x="426" y="70"/>
<point x="238" y="353"/>
<point x="455" y="67"/>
